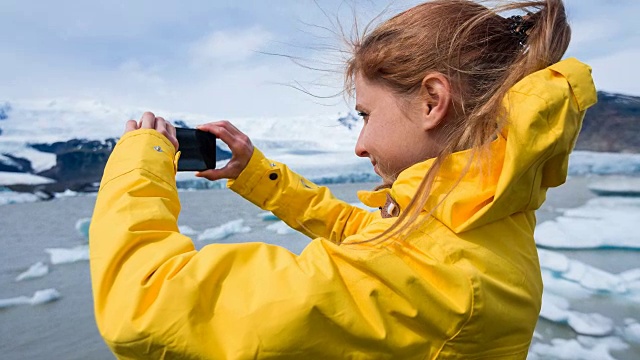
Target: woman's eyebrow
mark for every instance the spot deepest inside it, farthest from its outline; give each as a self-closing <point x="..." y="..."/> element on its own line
<point x="361" y="108"/>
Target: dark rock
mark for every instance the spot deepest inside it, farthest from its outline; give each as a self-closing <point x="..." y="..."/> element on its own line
<point x="612" y="125"/>
<point x="79" y="163"/>
<point x="16" y="164"/>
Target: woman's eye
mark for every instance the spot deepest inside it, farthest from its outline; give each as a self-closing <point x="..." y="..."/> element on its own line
<point x="363" y="115"/>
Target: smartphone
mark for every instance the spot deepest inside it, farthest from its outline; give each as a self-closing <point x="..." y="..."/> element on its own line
<point x="197" y="150"/>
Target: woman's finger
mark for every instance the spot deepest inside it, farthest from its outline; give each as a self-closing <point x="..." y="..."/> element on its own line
<point x="131" y="125"/>
<point x="226" y="172"/>
<point x="237" y="141"/>
<point x="148" y="121"/>
<point x="162" y="126"/>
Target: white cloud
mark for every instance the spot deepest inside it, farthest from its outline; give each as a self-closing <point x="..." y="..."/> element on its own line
<point x="617" y="72"/>
<point x="229" y="46"/>
<point x="203" y="56"/>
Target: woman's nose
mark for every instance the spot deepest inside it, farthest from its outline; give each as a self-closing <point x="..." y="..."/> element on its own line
<point x="360" y="148"/>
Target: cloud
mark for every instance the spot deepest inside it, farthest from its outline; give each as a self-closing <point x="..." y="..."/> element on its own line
<point x="204" y="56"/>
<point x="615" y="72"/>
<point x="229" y="46"/>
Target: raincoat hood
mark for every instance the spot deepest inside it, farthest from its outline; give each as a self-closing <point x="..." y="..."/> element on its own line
<point x="530" y="155"/>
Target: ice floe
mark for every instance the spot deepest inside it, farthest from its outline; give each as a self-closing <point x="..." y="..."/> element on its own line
<point x="603" y="222"/>
<point x="589" y="278"/>
<point x="187" y="230"/>
<point x="224" y="231"/>
<point x="82" y="227"/>
<point x="557" y="309"/>
<point x="11" y="197"/>
<point x="268" y="216"/>
<point x="631" y="331"/>
<point x="66" y="256"/>
<point x="581" y="348"/>
<point x="36" y="270"/>
<point x="39" y="297"/>
<point x="281" y="228"/>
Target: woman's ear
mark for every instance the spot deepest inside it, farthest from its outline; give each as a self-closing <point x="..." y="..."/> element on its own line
<point x="435" y="98"/>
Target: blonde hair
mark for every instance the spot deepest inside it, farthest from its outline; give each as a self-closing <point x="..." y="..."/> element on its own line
<point x="482" y="53"/>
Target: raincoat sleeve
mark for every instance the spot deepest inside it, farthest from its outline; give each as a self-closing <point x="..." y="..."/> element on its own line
<point x="156" y="297"/>
<point x="303" y="205"/>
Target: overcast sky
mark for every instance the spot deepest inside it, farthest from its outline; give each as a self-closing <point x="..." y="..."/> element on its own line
<point x="207" y="57"/>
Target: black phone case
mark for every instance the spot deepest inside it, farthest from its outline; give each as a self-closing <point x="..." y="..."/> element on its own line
<point x="197" y="150"/>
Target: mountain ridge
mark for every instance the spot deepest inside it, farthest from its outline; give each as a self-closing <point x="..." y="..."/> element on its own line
<point x="80" y="162"/>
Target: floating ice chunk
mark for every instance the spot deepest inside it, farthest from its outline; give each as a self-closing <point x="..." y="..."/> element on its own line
<point x="594" y="279"/>
<point x="554" y="308"/>
<point x="590" y="324"/>
<point x="589" y="162"/>
<point x="600" y="223"/>
<point x="187" y="230"/>
<point x="40" y="297"/>
<point x="225" y="230"/>
<point x="44" y="296"/>
<point x="268" y="216"/>
<point x="553" y="261"/>
<point x="11" y="197"/>
<point x="82" y="227"/>
<point x="630" y="275"/>
<point x="554" y="284"/>
<point x="36" y="270"/>
<point x="557" y="309"/>
<point x="631" y="331"/>
<point x="582" y="348"/>
<point x="588" y="277"/>
<point x="632" y="279"/>
<point x="281" y="228"/>
<point x="66" y="193"/>
<point x="65" y="256"/>
<point x="616" y="186"/>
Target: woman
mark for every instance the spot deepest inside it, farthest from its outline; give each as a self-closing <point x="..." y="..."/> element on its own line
<point x="468" y="117"/>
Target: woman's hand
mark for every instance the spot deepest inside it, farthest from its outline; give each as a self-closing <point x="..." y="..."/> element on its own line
<point x="150" y="121"/>
<point x="240" y="145"/>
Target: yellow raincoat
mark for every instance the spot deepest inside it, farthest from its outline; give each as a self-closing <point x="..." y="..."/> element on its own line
<point x="464" y="286"/>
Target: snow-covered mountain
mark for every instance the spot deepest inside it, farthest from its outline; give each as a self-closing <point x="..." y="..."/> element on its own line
<point x="60" y="139"/>
<point x="64" y="144"/>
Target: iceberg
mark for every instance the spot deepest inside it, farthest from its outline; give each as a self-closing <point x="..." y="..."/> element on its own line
<point x="557" y="309"/>
<point x="586" y="276"/>
<point x="603" y="222"/>
<point x="601" y="163"/>
<point x="66" y="256"/>
<point x="82" y="227"/>
<point x="223" y="231"/>
<point x="36" y="270"/>
<point x="582" y="348"/>
<point x="39" y="297"/>
<point x="187" y="230"/>
<point x="11" y="197"/>
<point x="281" y="228"/>
<point x="631" y="331"/>
<point x="268" y="216"/>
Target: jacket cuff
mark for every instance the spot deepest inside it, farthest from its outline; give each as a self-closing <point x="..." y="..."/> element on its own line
<point x="259" y="180"/>
<point x="142" y="149"/>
